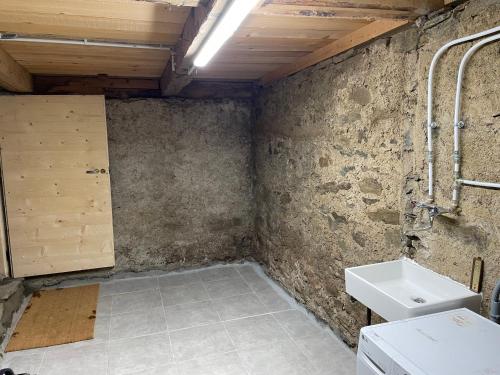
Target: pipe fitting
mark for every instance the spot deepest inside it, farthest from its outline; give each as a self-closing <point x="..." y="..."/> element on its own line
<point x="430" y="85"/>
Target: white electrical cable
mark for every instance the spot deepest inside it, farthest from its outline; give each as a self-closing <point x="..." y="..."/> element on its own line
<point x="430" y="121"/>
<point x="80" y="42"/>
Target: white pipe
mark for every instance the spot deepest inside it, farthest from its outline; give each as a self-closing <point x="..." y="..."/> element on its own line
<point x="457" y="123"/>
<point x="492" y="185"/>
<point x="430" y="121"/>
<point x="81" y="42"/>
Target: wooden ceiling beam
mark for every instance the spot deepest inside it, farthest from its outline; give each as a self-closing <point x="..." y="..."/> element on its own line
<point x="331" y="13"/>
<point x="196" y="28"/>
<point x="13" y="77"/>
<point x="113" y="87"/>
<point x="356" y="38"/>
<point x="200" y="89"/>
<point x="419" y="7"/>
<point x="110" y="86"/>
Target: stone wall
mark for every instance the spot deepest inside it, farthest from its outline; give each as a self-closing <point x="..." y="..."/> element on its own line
<point x="180" y="181"/>
<point x="340" y="155"/>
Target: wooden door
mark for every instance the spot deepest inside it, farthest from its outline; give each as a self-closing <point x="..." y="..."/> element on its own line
<point x="54" y="154"/>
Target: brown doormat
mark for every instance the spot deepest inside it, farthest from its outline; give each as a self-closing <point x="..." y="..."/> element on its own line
<point x="55" y="317"/>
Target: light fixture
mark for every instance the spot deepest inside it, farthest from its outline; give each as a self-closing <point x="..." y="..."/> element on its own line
<point x="223" y="30"/>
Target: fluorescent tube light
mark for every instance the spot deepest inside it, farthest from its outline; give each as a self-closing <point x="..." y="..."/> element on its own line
<point x="224" y="29"/>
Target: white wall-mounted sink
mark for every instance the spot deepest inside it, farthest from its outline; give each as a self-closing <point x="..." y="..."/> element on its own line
<point x="403" y="289"/>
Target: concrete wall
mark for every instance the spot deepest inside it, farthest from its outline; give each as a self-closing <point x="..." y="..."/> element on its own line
<point x="181" y="182"/>
<point x="340" y="155"/>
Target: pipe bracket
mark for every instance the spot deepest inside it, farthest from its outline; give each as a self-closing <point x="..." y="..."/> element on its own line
<point x="456" y="156"/>
<point x="461" y="125"/>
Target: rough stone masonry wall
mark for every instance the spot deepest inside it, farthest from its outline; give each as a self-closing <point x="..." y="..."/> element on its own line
<point x="340" y="154"/>
<point x="181" y="181"/>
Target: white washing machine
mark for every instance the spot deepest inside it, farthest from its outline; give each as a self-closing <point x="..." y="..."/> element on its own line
<point x="456" y="342"/>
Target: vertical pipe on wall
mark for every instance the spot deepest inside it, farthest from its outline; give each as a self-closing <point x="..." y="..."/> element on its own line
<point x="459" y="124"/>
<point x="430" y="120"/>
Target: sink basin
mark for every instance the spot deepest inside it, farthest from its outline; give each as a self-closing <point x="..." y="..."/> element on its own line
<point x="402" y="289"/>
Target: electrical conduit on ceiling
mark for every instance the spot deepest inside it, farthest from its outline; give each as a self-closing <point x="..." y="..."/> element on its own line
<point x="80" y="42"/>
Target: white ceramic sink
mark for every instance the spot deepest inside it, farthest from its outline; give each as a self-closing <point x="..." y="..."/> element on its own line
<point x="403" y="289"/>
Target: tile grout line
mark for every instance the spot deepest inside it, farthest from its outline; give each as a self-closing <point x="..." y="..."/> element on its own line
<point x="227" y="332"/>
<point x="130" y="292"/>
<point x="166" y="323"/>
<point x="203" y="284"/>
<point x="247" y="370"/>
<point x="294" y="342"/>
<point x="207" y="300"/>
<point x="40" y="366"/>
<point x="288" y="334"/>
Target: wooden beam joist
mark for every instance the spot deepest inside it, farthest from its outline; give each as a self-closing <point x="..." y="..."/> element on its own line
<point x="100" y="85"/>
<point x="356" y="38"/>
<point x="113" y="87"/>
<point x="418" y="7"/>
<point x="196" y="28"/>
<point x="354" y="9"/>
<point x="14" y="77"/>
<point x="217" y="90"/>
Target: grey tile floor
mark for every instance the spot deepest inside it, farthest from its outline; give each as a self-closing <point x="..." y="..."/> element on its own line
<point x="227" y="320"/>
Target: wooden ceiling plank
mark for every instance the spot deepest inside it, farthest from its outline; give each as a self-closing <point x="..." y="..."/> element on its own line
<point x="131" y="10"/>
<point x="28" y="49"/>
<point x="257" y="57"/>
<point x="105" y="66"/>
<point x="332" y="13"/>
<point x="285" y="33"/>
<point x="197" y="27"/>
<point x="57" y="26"/>
<point x="274" y="44"/>
<point x="298" y="23"/>
<point x="419" y="7"/>
<point x="13" y="76"/>
<point x="356" y="38"/>
<point x="57" y="59"/>
<point x="241" y="67"/>
<point x="89" y="71"/>
<point x="109" y="20"/>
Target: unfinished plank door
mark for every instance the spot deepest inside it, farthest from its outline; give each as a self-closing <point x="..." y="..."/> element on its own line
<point x="55" y="164"/>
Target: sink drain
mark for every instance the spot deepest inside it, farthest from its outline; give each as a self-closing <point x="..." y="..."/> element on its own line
<point x="418" y="300"/>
